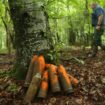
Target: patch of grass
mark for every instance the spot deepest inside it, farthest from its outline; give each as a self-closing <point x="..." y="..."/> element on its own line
<point x="3" y="51"/>
<point x="4" y="73"/>
<point x="13" y="88"/>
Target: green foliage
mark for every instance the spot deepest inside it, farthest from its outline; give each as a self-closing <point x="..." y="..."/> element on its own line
<point x="4" y="73"/>
<point x="2" y="9"/>
<point x="13" y="88"/>
<point x="6" y="26"/>
<point x="2" y="28"/>
<point x="70" y="15"/>
<point x="54" y="54"/>
<point x="64" y="15"/>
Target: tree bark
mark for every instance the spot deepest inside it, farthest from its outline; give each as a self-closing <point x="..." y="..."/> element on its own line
<point x="31" y="36"/>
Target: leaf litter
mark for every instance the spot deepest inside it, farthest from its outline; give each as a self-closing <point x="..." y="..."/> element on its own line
<point x="90" y="91"/>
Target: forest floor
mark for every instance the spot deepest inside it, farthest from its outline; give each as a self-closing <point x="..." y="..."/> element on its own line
<point x="90" y="73"/>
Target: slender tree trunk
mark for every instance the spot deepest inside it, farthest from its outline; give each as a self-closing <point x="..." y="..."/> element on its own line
<point x="30" y="25"/>
<point x="8" y="41"/>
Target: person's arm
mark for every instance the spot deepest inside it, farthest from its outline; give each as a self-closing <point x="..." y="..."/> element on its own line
<point x="100" y="16"/>
<point x="100" y="19"/>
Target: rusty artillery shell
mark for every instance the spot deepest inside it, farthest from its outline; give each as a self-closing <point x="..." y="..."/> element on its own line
<point x="64" y="79"/>
<point x="39" y="65"/>
<point x="32" y="90"/>
<point x="44" y="85"/>
<point x="30" y="71"/>
<point x="55" y="86"/>
<point x="47" y="66"/>
<point x="74" y="81"/>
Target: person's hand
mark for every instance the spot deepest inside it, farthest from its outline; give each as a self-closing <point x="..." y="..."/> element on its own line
<point x="98" y="27"/>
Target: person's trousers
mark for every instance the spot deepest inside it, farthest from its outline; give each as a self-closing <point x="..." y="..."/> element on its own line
<point x="97" y="41"/>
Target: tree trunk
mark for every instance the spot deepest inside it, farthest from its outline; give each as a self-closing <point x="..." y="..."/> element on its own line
<point x="31" y="36"/>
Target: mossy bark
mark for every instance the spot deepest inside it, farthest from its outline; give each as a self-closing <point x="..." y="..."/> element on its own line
<point x="31" y="31"/>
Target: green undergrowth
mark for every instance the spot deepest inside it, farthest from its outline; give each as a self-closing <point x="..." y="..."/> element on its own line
<point x="4" y="73"/>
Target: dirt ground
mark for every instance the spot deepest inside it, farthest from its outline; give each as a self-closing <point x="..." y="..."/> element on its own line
<point x="89" y="71"/>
